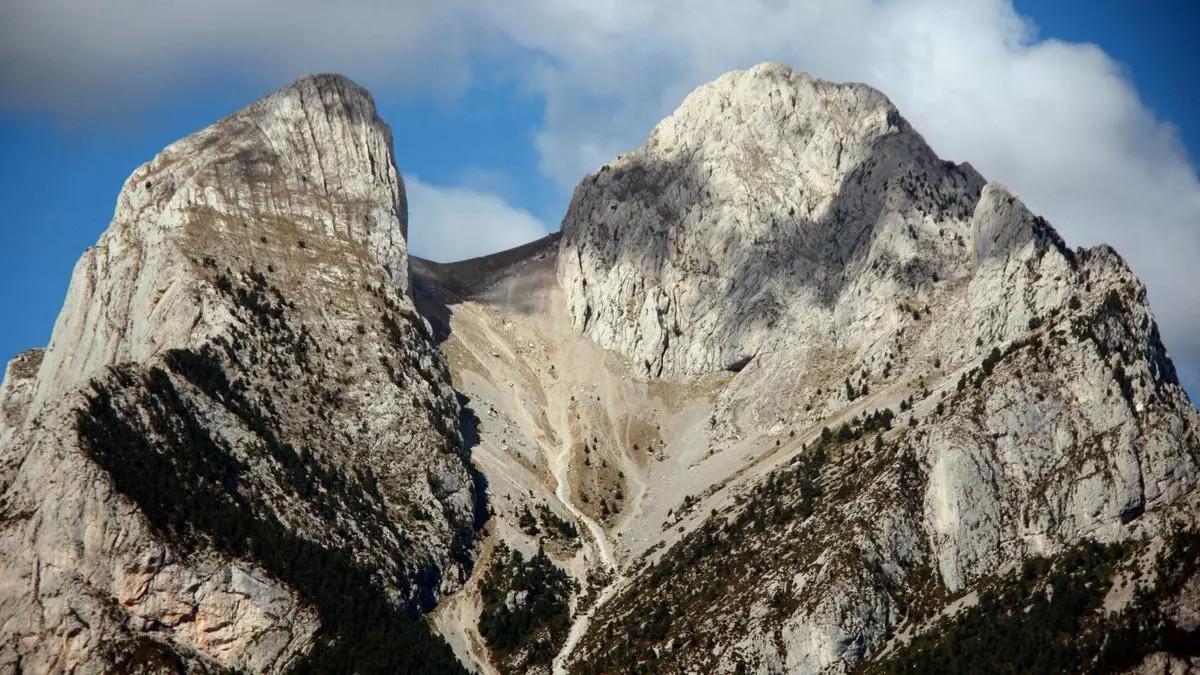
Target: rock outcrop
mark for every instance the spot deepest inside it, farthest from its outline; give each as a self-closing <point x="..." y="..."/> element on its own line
<point x="241" y="448"/>
<point x="788" y="393"/>
<point x="769" y="208"/>
<point x="800" y="234"/>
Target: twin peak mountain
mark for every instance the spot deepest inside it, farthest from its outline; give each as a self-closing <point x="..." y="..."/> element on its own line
<point x="787" y="393"/>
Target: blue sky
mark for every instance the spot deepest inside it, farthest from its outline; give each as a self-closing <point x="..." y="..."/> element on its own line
<point x="1089" y="110"/>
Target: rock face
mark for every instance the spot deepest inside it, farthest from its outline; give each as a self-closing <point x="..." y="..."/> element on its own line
<point x="766" y="205"/>
<point x="801" y="234"/>
<point x="17" y="389"/>
<point x="788" y="393"/>
<point x="241" y="448"/>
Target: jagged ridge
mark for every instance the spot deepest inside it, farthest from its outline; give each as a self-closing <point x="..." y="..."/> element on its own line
<point x="267" y="438"/>
<point x="850" y="387"/>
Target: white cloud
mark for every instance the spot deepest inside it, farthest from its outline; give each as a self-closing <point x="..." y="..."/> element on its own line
<point x="107" y="59"/>
<point x="453" y="223"/>
<point x="1059" y="123"/>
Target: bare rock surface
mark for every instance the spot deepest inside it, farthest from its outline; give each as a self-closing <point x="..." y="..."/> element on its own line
<point x="240" y="424"/>
<point x="788" y="393"/>
<point x="769" y="206"/>
<point x="835" y="387"/>
<point x="801" y="234"/>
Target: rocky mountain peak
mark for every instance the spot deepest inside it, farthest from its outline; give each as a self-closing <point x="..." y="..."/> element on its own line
<point x="764" y="185"/>
<point x="796" y="246"/>
<point x="317" y="138"/>
<point x="296" y="180"/>
<point x="788" y="393"/>
<point x="239" y="379"/>
<point x="772" y="116"/>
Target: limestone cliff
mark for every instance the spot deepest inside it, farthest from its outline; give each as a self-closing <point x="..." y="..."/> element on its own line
<point x="241" y="448"/>
<point x="788" y="393"/>
<point x="989" y="395"/>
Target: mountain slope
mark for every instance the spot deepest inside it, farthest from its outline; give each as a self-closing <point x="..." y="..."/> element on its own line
<point x="788" y="393"/>
<point x="241" y="449"/>
<point x="849" y="384"/>
<point x="802" y="231"/>
<point x="805" y="226"/>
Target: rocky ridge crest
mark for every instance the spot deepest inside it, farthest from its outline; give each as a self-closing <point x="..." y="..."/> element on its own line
<point x="802" y="235"/>
<point x="789" y="393"/>
<point x="241" y="427"/>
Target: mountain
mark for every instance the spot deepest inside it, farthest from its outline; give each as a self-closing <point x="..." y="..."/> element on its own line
<point x="787" y="393"/>
<point x="241" y="449"/>
<point x="930" y="386"/>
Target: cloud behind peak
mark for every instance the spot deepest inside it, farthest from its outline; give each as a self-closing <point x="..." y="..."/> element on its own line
<point x="1058" y="122"/>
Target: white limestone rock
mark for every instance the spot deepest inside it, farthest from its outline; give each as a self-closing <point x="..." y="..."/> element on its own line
<point x="249" y="299"/>
<point x="16" y="390"/>
<point x="801" y="234"/>
<point x="250" y="305"/>
<point x="770" y="208"/>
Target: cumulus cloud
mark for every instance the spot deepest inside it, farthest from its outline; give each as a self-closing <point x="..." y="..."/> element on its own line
<point x="456" y="222"/>
<point x="1059" y="123"/>
<point x="107" y="59"/>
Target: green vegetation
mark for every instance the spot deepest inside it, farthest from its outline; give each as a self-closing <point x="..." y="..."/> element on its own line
<point x="555" y="526"/>
<point x="856" y="428"/>
<point x="1141" y="628"/>
<point x="528" y="523"/>
<point x="1026" y="624"/>
<point x="548" y="523"/>
<point x="1048" y="619"/>
<point x="134" y="654"/>
<point x="525" y="616"/>
<point x="1108" y="327"/>
<point x="326" y="489"/>
<point x="1046" y="233"/>
<point x="193" y="489"/>
<point x="791" y="522"/>
<point x="977" y="376"/>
